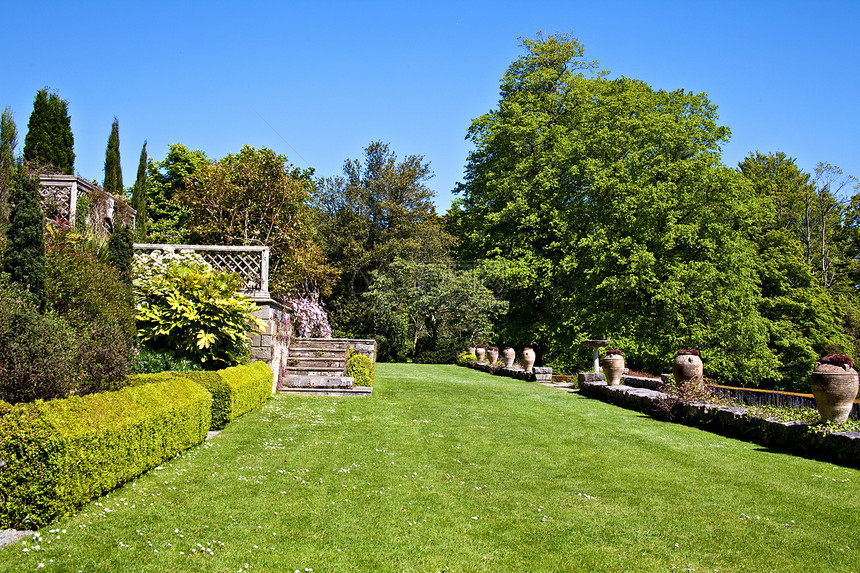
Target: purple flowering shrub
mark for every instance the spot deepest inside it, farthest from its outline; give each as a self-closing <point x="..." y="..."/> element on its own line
<point x="309" y="319"/>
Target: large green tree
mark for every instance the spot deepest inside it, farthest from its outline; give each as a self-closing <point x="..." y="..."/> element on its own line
<point x="434" y="300"/>
<point x="256" y="197"/>
<point x="380" y="209"/>
<point x="113" y="167"/>
<point x="138" y="197"/>
<point x="605" y="204"/>
<point x="24" y="259"/>
<point x="8" y="142"/>
<point x="49" y="141"/>
<point x="166" y="214"/>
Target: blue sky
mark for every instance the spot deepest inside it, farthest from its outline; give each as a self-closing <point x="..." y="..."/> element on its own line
<point x="330" y="77"/>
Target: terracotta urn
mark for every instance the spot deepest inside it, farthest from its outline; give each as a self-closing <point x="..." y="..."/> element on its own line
<point x="472" y="350"/>
<point x="493" y="354"/>
<point x="528" y="359"/>
<point x="835" y="388"/>
<point x="508" y="355"/>
<point x="613" y="368"/>
<point x="687" y="367"/>
<point x="480" y="354"/>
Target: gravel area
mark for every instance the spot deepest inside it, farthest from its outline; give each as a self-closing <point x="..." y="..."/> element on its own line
<point x="10" y="536"/>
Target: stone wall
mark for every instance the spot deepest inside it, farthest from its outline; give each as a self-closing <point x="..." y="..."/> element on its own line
<point x="538" y="373"/>
<point x="733" y="421"/>
<point x="265" y="345"/>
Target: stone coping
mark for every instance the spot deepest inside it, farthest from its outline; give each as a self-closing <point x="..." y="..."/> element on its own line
<point x="731" y="421"/>
<point x="538" y="373"/>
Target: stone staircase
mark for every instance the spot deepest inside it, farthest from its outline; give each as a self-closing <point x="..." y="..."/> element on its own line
<point x="318" y="366"/>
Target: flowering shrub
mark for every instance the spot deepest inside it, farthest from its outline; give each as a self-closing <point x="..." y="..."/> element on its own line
<point x="309" y="319"/>
<point x="186" y="307"/>
<point x="837" y="360"/>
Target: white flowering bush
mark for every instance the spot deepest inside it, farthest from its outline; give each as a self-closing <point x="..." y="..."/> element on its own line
<point x="309" y="319"/>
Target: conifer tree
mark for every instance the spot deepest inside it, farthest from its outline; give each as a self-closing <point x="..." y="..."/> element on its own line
<point x="49" y="140"/>
<point x="138" y="198"/>
<point x="8" y="142"/>
<point x="121" y="251"/>
<point x="113" y="169"/>
<point x="25" y="240"/>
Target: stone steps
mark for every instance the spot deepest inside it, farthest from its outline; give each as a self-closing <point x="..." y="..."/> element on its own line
<point x="316" y="364"/>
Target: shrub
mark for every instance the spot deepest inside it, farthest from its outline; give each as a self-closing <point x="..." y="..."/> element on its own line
<point x="194" y="311"/>
<point x="438" y="351"/>
<point x="837" y="360"/>
<point x="362" y="369"/>
<point x="465" y="358"/>
<point x="249" y="386"/>
<point x="62" y="453"/>
<point x="309" y="318"/>
<point x="24" y="258"/>
<point x="121" y="251"/>
<point x="92" y="298"/>
<point x="38" y="352"/>
<point x="147" y="360"/>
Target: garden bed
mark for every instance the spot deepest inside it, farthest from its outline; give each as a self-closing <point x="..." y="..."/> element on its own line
<point x="733" y="421"/>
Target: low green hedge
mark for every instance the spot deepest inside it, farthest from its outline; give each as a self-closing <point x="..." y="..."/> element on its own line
<point x="222" y="395"/>
<point x="60" y="454"/>
<point x="249" y="385"/>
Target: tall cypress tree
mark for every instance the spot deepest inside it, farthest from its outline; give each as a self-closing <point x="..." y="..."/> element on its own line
<point x="113" y="169"/>
<point x="25" y="239"/>
<point x="138" y="198"/>
<point x="8" y="142"/>
<point x="121" y="251"/>
<point x="49" y="140"/>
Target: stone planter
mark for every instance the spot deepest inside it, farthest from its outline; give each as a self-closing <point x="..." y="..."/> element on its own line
<point x="493" y="354"/>
<point x="528" y="359"/>
<point x="613" y="368"/>
<point x="472" y="350"/>
<point x="687" y="368"/>
<point x="480" y="353"/>
<point x="835" y="388"/>
<point x="508" y="355"/>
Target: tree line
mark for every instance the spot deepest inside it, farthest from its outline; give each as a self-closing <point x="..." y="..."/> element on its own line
<point x="591" y="207"/>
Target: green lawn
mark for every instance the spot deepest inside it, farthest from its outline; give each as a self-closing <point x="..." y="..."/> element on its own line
<point x="449" y="469"/>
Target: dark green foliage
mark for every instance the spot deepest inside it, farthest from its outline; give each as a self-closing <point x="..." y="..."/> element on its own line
<point x="148" y="361"/>
<point x="25" y="242"/>
<point x="439" y="351"/>
<point x="166" y="216"/>
<point x="362" y="369"/>
<point x="38" y="351"/>
<point x="63" y="453"/>
<point x="113" y="168"/>
<point x="49" y="140"/>
<point x="92" y="298"/>
<point x="138" y="198"/>
<point x="121" y="251"/>
<point x="8" y="142"/>
<point x="221" y="396"/>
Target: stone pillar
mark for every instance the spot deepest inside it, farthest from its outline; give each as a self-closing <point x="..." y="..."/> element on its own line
<point x="265" y="345"/>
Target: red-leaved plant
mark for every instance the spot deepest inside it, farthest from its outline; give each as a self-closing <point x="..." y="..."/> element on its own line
<point x="837" y="360"/>
<point x="689" y="352"/>
<point x="614" y="353"/>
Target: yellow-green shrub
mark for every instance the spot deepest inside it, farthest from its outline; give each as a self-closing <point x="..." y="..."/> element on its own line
<point x="222" y="395"/>
<point x="62" y="453"/>
<point x="362" y="369"/>
<point x="250" y="385"/>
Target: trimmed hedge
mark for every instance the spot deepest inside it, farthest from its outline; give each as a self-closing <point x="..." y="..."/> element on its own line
<point x="222" y="395"/>
<point x="362" y="369"/>
<point x="63" y="453"/>
<point x="249" y="385"/>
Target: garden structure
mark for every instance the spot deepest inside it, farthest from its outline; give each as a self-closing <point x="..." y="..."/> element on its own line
<point x="306" y="365"/>
<point x="64" y="197"/>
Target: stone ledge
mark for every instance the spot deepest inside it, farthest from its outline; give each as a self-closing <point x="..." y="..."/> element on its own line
<point x="354" y="391"/>
<point x="538" y="373"/>
<point x="793" y="437"/>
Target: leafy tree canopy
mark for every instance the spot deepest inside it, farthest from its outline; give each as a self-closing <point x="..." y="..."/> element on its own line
<point x="604" y="204"/>
<point x="166" y="215"/>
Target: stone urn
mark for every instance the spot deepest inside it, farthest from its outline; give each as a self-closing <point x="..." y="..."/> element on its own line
<point x="528" y="359"/>
<point x="834" y="385"/>
<point x="480" y="354"/>
<point x="508" y="355"/>
<point x="472" y="350"/>
<point x="493" y="354"/>
<point x="613" y="367"/>
<point x="687" y="367"/>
